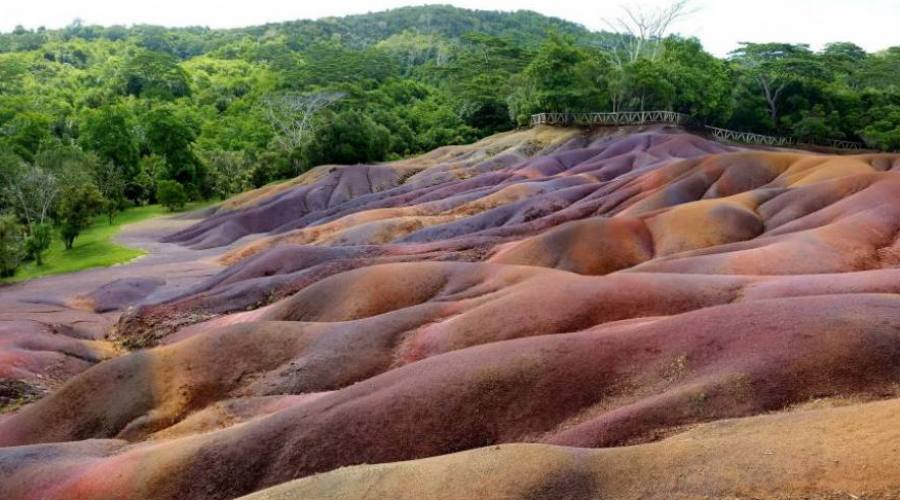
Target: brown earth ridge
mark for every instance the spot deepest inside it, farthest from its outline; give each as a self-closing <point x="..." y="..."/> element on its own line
<point x="545" y="314"/>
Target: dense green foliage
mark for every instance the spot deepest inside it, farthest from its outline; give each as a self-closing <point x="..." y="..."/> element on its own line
<point x="11" y="249"/>
<point x="171" y="195"/>
<point x="78" y="206"/>
<point x="133" y="111"/>
<point x="38" y="242"/>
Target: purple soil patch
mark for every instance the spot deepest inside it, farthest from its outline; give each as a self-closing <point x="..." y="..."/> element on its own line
<point x="122" y="293"/>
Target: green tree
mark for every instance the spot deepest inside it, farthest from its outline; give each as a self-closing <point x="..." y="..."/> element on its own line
<point x="11" y="245"/>
<point x="884" y="132"/>
<point x="110" y="132"/>
<point x="846" y="61"/>
<point x="38" y="242"/>
<point x="13" y="69"/>
<point x="26" y="132"/>
<point x="330" y="63"/>
<point x="648" y="85"/>
<point x="268" y="166"/>
<point x="151" y="169"/>
<point x="111" y="182"/>
<point x="349" y="137"/>
<point x="170" y="133"/>
<point x="171" y="194"/>
<point x="412" y="48"/>
<point x="702" y="84"/>
<point x="436" y="124"/>
<point x="157" y="75"/>
<point x="816" y="124"/>
<point x="773" y="67"/>
<point x="69" y="163"/>
<point x="31" y="191"/>
<point x="78" y="205"/>
<point x="479" y="78"/>
<point x="142" y="189"/>
<point x="881" y="70"/>
<point x="563" y="77"/>
<point x="230" y="172"/>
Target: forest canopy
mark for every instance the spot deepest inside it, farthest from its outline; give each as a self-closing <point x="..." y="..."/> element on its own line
<point x="129" y="110"/>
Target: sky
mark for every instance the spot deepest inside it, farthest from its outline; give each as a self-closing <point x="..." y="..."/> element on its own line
<point x="719" y="24"/>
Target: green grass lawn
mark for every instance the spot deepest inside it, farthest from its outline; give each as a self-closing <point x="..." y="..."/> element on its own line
<point x="94" y="247"/>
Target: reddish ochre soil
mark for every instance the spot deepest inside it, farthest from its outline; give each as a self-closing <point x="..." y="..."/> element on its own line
<point x="545" y="314"/>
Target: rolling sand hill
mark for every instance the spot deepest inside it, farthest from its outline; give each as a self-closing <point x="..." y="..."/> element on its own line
<point x="545" y="314"/>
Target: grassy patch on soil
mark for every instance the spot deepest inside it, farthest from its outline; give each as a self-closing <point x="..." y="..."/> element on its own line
<point x="94" y="247"/>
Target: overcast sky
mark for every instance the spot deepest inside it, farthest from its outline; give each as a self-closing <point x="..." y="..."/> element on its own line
<point x="720" y="24"/>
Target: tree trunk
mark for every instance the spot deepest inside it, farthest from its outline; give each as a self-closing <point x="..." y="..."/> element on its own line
<point x="771" y="97"/>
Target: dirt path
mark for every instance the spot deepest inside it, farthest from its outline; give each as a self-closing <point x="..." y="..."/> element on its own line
<point x="50" y="299"/>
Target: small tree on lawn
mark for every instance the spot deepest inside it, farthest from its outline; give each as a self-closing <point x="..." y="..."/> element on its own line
<point x="38" y="242"/>
<point x="171" y="194"/>
<point x="111" y="181"/>
<point x="78" y="205"/>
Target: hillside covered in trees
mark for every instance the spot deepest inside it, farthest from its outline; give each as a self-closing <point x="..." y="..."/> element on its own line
<point x="95" y="118"/>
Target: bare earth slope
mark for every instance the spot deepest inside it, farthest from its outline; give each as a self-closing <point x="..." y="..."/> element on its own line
<point x="634" y="313"/>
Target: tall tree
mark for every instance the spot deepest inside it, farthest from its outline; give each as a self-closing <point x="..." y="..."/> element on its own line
<point x="562" y="76"/>
<point x="154" y="74"/>
<point x="170" y="133"/>
<point x="480" y="77"/>
<point x="293" y="116"/>
<point x="230" y="172"/>
<point x="33" y="191"/>
<point x="110" y="132"/>
<point x="38" y="242"/>
<point x="78" y="205"/>
<point x="702" y="84"/>
<point x="111" y="181"/>
<point x="642" y="30"/>
<point x="775" y="66"/>
<point x="11" y="248"/>
<point x="348" y="137"/>
<point x="26" y="132"/>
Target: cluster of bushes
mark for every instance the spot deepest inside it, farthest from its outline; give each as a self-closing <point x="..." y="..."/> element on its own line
<point x="58" y="193"/>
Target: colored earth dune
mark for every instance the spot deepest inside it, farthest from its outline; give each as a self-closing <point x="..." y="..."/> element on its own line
<point x="545" y="314"/>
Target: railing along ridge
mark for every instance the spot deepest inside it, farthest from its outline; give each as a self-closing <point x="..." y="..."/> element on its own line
<point x="614" y="118"/>
<point x="675" y="118"/>
<point x="726" y="135"/>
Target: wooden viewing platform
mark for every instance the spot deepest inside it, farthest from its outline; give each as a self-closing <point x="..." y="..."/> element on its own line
<point x="673" y="118"/>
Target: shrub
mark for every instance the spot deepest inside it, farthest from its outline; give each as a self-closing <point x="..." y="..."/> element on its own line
<point x="171" y="194"/>
<point x="38" y="242"/>
<point x="12" y="249"/>
<point x="78" y="206"/>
